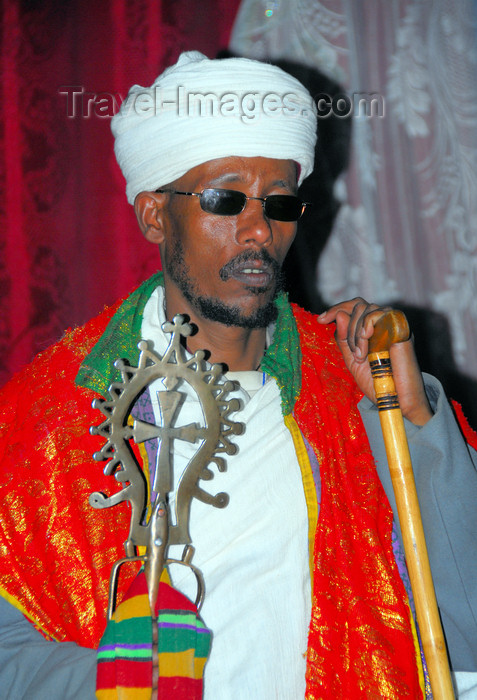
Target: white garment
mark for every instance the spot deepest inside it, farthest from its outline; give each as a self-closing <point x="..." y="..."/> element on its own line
<point x="201" y="109"/>
<point x="253" y="553"/>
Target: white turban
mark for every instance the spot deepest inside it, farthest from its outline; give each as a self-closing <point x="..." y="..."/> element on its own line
<point x="200" y="109"/>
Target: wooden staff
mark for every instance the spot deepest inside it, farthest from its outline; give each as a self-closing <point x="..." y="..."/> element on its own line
<point x="393" y="328"/>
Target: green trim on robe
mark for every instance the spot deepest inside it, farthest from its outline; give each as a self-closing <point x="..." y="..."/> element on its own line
<point x="119" y="340"/>
<point x="281" y="361"/>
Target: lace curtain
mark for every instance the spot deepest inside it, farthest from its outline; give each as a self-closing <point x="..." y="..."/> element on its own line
<point x="69" y="242"/>
<point x="406" y="232"/>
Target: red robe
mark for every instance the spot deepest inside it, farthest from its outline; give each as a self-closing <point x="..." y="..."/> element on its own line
<point x="57" y="551"/>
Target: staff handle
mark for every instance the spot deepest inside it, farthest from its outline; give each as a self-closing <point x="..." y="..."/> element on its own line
<point x="393" y="328"/>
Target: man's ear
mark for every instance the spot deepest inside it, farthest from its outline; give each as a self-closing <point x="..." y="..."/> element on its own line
<point x="149" y="210"/>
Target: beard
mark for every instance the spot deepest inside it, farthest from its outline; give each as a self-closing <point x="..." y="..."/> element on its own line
<point x="213" y="308"/>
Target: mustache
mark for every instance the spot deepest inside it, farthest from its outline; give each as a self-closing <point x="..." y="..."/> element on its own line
<point x="261" y="256"/>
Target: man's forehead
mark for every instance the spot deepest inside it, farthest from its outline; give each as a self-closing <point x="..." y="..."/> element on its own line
<point x="235" y="169"/>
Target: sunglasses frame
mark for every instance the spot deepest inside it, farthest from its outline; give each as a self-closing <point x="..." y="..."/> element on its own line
<point x="263" y="200"/>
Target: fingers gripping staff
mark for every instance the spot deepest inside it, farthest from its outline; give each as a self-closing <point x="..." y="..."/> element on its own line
<point x="393" y="328"/>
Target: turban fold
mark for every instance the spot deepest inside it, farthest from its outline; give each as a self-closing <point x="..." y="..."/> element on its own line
<point x="200" y="109"/>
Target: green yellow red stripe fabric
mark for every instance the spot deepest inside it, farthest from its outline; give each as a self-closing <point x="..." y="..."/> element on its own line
<point x="125" y="651"/>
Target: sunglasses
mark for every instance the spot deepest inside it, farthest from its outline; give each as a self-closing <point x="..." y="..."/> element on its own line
<point x="280" y="207"/>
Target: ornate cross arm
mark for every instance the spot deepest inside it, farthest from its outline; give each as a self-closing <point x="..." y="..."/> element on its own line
<point x="213" y="437"/>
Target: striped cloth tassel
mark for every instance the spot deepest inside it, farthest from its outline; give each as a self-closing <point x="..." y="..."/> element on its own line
<point x="124" y="667"/>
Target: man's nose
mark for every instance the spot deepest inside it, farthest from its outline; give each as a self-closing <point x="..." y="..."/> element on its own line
<point x="253" y="227"/>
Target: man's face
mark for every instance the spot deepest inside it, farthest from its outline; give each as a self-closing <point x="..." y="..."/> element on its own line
<point x="226" y="268"/>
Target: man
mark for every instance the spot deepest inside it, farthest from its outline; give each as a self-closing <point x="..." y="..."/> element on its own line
<point x="308" y="532"/>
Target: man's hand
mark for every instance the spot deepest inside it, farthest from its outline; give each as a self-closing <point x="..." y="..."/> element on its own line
<point x="355" y="321"/>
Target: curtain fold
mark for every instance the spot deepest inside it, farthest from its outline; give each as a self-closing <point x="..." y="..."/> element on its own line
<point x="406" y="232"/>
<point x="69" y="242"/>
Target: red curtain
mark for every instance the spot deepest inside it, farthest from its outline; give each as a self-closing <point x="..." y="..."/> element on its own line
<point x="69" y="242"/>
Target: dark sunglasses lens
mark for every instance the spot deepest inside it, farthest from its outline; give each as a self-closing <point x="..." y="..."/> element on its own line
<point x="222" y="202"/>
<point x="283" y="207"/>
